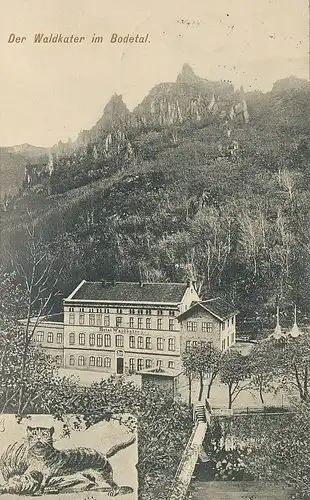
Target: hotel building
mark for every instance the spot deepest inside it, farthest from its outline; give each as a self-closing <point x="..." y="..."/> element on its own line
<point x="125" y="327"/>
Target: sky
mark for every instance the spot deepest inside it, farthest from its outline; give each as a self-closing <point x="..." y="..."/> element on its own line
<point x="49" y="92"/>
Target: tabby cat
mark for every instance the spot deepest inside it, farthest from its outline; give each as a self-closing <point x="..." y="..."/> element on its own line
<point x="34" y="465"/>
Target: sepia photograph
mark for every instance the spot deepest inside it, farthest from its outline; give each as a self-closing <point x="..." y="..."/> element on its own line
<point x="155" y="250"/>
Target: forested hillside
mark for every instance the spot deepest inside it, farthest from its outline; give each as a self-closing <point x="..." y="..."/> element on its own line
<point x="200" y="181"/>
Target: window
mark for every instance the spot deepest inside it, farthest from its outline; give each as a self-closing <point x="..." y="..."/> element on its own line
<point x="81" y="309"/>
<point x="148" y="363"/>
<point x="202" y="343"/>
<point x="132" y="342"/>
<point x="232" y="320"/>
<point x="131" y="311"/>
<point x="119" y="311"/>
<point x="58" y="360"/>
<point x="106" y="310"/>
<point x="160" y="344"/>
<point x="140" y="311"/>
<point x="206" y="327"/>
<point x="40" y="337"/>
<point x="223" y="344"/>
<point x="160" y="312"/>
<point x="140" y="343"/>
<point x="71" y="338"/>
<point x="232" y="338"/>
<point x="81" y="361"/>
<point x="223" y="325"/>
<point x="148" y="343"/>
<point x="82" y="338"/>
<point x="191" y="326"/>
<point x="92" y="319"/>
<point x="228" y="322"/>
<point x="71" y="319"/>
<point x="107" y="340"/>
<point x="107" y="362"/>
<point x="98" y="319"/>
<point x="50" y="337"/>
<point x="92" y="361"/>
<point x="99" y="340"/>
<point x="131" y="320"/>
<point x="132" y="364"/>
<point x="71" y="360"/>
<point x="140" y="364"/>
<point x="71" y="309"/>
<point x="171" y="344"/>
<point x="171" y="313"/>
<point x="106" y="320"/>
<point x="99" y="310"/>
<point x="118" y="321"/>
<point x="92" y="339"/>
<point x="59" y="338"/>
<point x="148" y="311"/>
<point x="140" y="320"/>
<point x="119" y="340"/>
<point x="159" y="363"/>
<point x="91" y="310"/>
<point x="159" y="324"/>
<point x="188" y="344"/>
<point x="99" y="361"/>
<point x="81" y="319"/>
<point x="148" y="323"/>
<point x="170" y="364"/>
<point x="228" y="341"/>
<point x="171" y="324"/>
<point x="210" y="345"/>
<point x="194" y="343"/>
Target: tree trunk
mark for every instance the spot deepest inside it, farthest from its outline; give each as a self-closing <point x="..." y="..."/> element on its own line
<point x="210" y="385"/>
<point x="306" y="392"/>
<point x="300" y="388"/>
<point x="201" y="386"/>
<point x="261" y="394"/>
<point x="190" y="391"/>
<point x="229" y="397"/>
<point x="22" y="378"/>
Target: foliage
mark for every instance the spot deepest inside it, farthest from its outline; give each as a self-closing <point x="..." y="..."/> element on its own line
<point x="264" y="367"/>
<point x="200" y="361"/>
<point x="281" y="363"/>
<point x="279" y="447"/>
<point x="233" y="372"/>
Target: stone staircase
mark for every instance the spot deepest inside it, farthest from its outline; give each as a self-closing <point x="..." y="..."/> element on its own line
<point x="200" y="413"/>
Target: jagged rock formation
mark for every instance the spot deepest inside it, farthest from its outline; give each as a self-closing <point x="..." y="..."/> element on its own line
<point x="115" y="115"/>
<point x="191" y="98"/>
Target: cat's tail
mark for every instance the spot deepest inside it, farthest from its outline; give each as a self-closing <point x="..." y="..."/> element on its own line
<point x="118" y="447"/>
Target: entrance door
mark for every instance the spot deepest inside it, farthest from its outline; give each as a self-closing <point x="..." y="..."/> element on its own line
<point x="120" y="365"/>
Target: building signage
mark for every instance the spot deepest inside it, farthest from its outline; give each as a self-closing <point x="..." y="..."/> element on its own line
<point x="116" y="330"/>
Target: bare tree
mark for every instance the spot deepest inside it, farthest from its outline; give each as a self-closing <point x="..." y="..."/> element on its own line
<point x="36" y="265"/>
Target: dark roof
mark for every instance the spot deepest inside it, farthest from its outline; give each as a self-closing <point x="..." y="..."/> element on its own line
<point x="218" y="307"/>
<point x="130" y="292"/>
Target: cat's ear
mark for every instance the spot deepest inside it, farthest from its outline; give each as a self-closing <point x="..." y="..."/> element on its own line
<point x="52" y="430"/>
